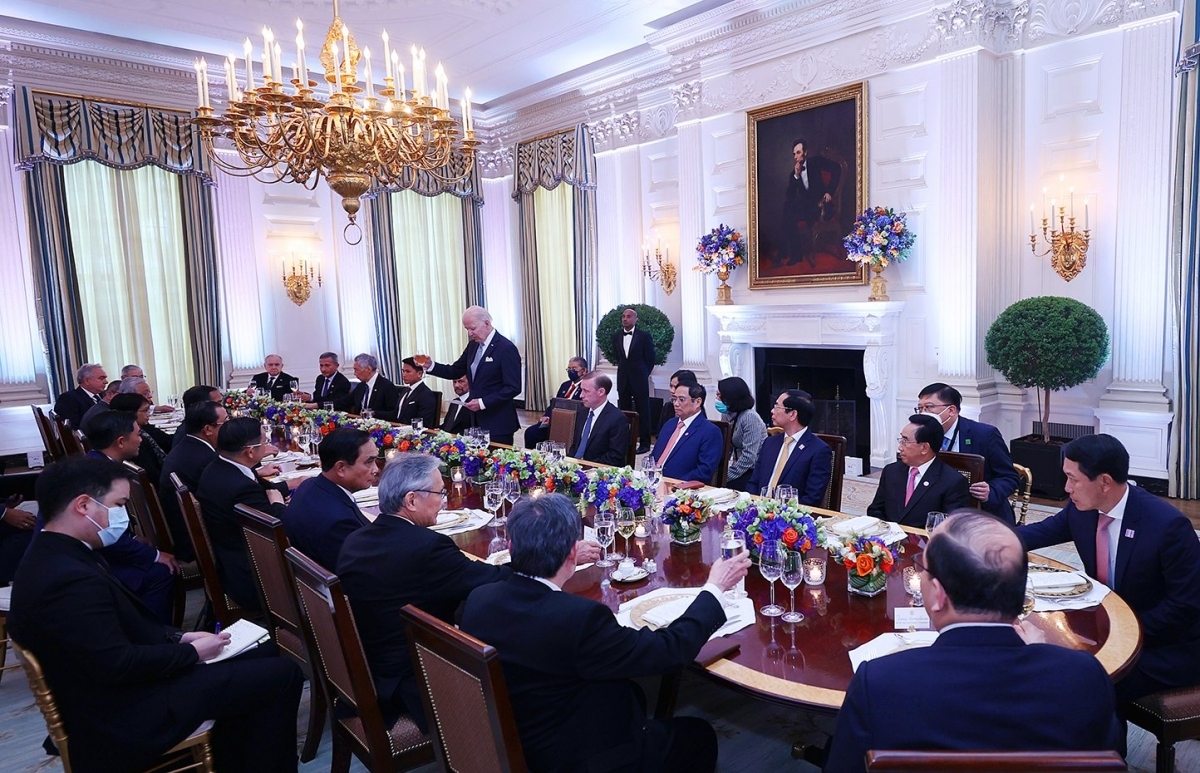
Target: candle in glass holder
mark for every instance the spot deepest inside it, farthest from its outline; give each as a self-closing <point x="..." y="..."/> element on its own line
<point x="457" y="475"/>
<point x="912" y="581"/>
<point x="391" y="453"/>
<point x="814" y="570"/>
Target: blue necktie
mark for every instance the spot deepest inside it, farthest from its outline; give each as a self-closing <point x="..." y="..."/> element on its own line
<point x="583" y="439"/>
<point x="946" y="444"/>
<point x="478" y="359"/>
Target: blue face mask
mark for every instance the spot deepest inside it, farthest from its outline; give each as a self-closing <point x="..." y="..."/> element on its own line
<point x="573" y="375"/>
<point x="721" y="407"/>
<point x="118" y="522"/>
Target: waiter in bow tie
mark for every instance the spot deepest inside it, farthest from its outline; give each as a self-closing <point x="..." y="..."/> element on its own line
<point x="633" y="349"/>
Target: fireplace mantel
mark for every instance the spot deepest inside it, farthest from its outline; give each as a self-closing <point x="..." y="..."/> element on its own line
<point x="865" y="325"/>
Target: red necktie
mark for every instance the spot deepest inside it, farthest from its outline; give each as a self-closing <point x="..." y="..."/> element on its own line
<point x="913" y="472"/>
<point x="1102" y="548"/>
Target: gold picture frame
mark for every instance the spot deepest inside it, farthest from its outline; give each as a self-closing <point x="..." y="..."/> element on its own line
<point x="797" y="223"/>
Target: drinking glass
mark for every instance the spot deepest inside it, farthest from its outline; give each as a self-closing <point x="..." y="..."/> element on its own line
<point x="1030" y="600"/>
<point x="792" y="576"/>
<point x="327" y="406"/>
<point x="767" y="492"/>
<point x="485" y="437"/>
<point x="932" y="520"/>
<point x="368" y="413"/>
<point x="418" y="426"/>
<point x="605" y="523"/>
<point x="295" y="385"/>
<point x="733" y="543"/>
<point x="815" y="567"/>
<point x="543" y="447"/>
<point x="559" y="450"/>
<point x="770" y="565"/>
<point x="785" y="493"/>
<point x="512" y="491"/>
<point x="499" y="542"/>
<point x="625" y="523"/>
<point x="493" y="498"/>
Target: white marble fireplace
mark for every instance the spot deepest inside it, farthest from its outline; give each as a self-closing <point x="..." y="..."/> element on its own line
<point x="870" y="327"/>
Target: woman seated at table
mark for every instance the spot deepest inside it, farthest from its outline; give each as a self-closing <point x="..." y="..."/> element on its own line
<point x="736" y="404"/>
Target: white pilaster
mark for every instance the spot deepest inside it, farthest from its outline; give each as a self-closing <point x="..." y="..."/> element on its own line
<point x="691" y="221"/>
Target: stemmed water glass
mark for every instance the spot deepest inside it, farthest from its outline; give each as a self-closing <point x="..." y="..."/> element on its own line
<point x="653" y="473"/>
<point x="499" y="542"/>
<point x="785" y="493"/>
<point x="770" y="564"/>
<point x="493" y="498"/>
<point x="512" y="491"/>
<point x="295" y="385"/>
<point x="733" y="543"/>
<point x="792" y="575"/>
<point x="605" y="523"/>
<point x="625" y="523"/>
<point x="933" y="520"/>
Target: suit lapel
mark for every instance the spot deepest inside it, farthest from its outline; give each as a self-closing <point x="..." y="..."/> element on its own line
<point x="927" y="481"/>
<point x="794" y="457"/>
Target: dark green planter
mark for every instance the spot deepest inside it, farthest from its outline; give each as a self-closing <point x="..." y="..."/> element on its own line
<point x="1044" y="461"/>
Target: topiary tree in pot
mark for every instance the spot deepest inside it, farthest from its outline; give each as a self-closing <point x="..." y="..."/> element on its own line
<point x="650" y="319"/>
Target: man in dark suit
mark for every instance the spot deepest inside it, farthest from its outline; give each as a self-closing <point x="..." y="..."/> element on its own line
<point x="70" y="406"/>
<point x="603" y="437"/>
<point x="962" y="435"/>
<point x="635" y="357"/>
<point x="796" y="458"/>
<point x="16" y="530"/>
<point x="372" y="391"/>
<point x="189" y="458"/>
<point x="577" y="368"/>
<point x="689" y="446"/>
<point x="809" y="199"/>
<point x="417" y="400"/>
<point x="130" y="687"/>
<point x="200" y="393"/>
<point x="331" y="386"/>
<point x="568" y="662"/>
<point x="919" y="483"/>
<point x="1038" y="696"/>
<point x="458" y="416"/>
<point x="274" y="380"/>
<point x="398" y="560"/>
<point x="322" y="512"/>
<point x="494" y="365"/>
<point x="1142" y="548"/>
<point x="229" y="481"/>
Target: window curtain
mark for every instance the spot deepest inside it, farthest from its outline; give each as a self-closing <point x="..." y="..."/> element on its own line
<point x="387" y="298"/>
<point x="552" y="337"/>
<point x="1184" y="481"/>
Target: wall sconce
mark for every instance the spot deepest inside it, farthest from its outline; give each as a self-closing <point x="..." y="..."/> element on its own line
<point x="1066" y="247"/>
<point x="298" y="283"/>
<point x="660" y="269"/>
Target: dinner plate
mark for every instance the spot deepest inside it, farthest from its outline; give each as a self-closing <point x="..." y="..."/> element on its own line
<point x="638" y="573"/>
<point x="1082" y="589"/>
<point x="727" y="498"/>
<point x="636" y="614"/>
<point x="450" y="519"/>
<point x="498" y="558"/>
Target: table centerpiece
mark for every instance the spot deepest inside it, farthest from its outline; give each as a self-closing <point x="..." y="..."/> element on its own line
<point x="684" y="512"/>
<point x="868" y="562"/>
<point x="770" y="519"/>
<point x="721" y="250"/>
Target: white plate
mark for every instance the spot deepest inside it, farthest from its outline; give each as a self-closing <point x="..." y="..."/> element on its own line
<point x="638" y="573"/>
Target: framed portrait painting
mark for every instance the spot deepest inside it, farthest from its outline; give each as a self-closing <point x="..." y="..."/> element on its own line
<point x="808" y="181"/>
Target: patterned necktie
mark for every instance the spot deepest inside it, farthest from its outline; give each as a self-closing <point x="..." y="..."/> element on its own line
<point x="945" y="444"/>
<point x="155" y="448"/>
<point x="913" y="472"/>
<point x="784" y="452"/>
<point x="1102" y="552"/>
<point x="585" y="437"/>
<point x="325" y="387"/>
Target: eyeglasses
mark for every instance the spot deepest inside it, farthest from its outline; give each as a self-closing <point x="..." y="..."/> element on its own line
<point x="445" y="497"/>
<point x="904" y="441"/>
<point x="919" y="562"/>
<point x="684" y="399"/>
<point x="928" y="408"/>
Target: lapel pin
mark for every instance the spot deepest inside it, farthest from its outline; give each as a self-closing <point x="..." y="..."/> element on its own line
<point x="801" y="446"/>
<point x="924" y="483"/>
<point x="1129" y="534"/>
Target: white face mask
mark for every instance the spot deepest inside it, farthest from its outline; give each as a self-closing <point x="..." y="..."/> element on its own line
<point x="118" y="522"/>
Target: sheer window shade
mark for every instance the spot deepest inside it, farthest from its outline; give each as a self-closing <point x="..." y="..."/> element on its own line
<point x="555" y="233"/>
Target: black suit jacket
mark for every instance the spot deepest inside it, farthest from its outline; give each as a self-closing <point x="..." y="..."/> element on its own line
<point x="339" y="390"/>
<point x="1038" y="697"/>
<point x="385" y="399"/>
<point x="189" y="458"/>
<point x="458" y="418"/>
<point x="940" y="490"/>
<point x="391" y="563"/>
<point x="72" y="405"/>
<point x="609" y="441"/>
<point x="320" y="516"/>
<point x="282" y="386"/>
<point x="419" y="403"/>
<point x="808" y="468"/>
<point x="567" y="663"/>
<point x="802" y="205"/>
<point x="633" y="372"/>
<point x="975" y="437"/>
<point x="222" y="485"/>
<point x="497" y="382"/>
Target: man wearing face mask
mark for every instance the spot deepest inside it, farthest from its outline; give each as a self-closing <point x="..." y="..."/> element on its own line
<point x="129" y="686"/>
<point x="577" y="368"/>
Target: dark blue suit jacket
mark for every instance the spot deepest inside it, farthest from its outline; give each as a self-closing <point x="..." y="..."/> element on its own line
<point x="497" y="382"/>
<point x="976" y="688"/>
<point x="339" y="390"/>
<point x="808" y="468"/>
<point x="1157" y="573"/>
<point x="72" y="405"/>
<point x="975" y="437"/>
<point x="319" y="518"/>
<point x="941" y="490"/>
<point x="697" y="454"/>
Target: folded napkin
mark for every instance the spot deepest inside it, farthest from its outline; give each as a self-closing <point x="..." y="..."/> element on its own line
<point x="1043" y="581"/>
<point x="720" y="495"/>
<point x="476" y="519"/>
<point x="738" y="614"/>
<point x="862" y="525"/>
<point x="1090" y="599"/>
<point x="368" y="496"/>
<point x="887" y="643"/>
<point x="665" y="614"/>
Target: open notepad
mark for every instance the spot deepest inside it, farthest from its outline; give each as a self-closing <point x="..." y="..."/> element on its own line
<point x="243" y="635"/>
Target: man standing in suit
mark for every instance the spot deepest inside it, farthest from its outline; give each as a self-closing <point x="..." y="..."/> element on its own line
<point x="568" y="663"/>
<point x="130" y="687"/>
<point x="604" y="435"/>
<point x="919" y="483"/>
<point x="322" y="512"/>
<point x="1142" y="548"/>
<point x="70" y="406"/>
<point x="331" y="386"/>
<point x="229" y="481"/>
<point x="494" y="365"/>
<point x="274" y="380"/>
<point x="796" y="458"/>
<point x="372" y="391"/>
<point x="577" y="368"/>
<point x="458" y="417"/>
<point x="979" y="686"/>
<point x="689" y="447"/>
<point x="635" y="358"/>
<point x="810" y="190"/>
<point x="417" y="400"/>
<point x="189" y="458"/>
<point x="964" y="436"/>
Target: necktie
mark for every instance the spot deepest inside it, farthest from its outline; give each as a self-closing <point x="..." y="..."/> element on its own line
<point x="404" y="393"/>
<point x="784" y="452"/>
<point x="585" y="437"/>
<point x="271" y="383"/>
<point x="570" y="392"/>
<point x="95" y="399"/>
<point x="478" y="359"/>
<point x="325" y="388"/>
<point x="1102" y="548"/>
<point x="366" y="401"/>
<point x="662" y="460"/>
<point x="945" y="444"/>
<point x="913" y="472"/>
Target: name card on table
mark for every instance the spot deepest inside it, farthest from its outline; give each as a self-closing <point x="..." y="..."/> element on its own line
<point x="912" y="617"/>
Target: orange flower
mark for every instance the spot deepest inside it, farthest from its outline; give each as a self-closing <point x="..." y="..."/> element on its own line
<point x="864" y="565"/>
<point x="887" y="562"/>
<point x="806" y="545"/>
<point x="849" y="562"/>
<point x="550" y="484"/>
<point x="790" y="536"/>
<point x="685" y="509"/>
<point x="405" y="445"/>
<point x="758" y="538"/>
<point x="387" y="439"/>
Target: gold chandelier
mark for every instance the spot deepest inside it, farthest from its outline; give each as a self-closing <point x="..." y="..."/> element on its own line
<point x="295" y="135"/>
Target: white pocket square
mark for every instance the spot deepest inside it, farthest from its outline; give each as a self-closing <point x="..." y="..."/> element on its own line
<point x="488" y="359"/>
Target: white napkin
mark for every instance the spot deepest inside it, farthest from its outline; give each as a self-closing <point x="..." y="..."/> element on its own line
<point x="476" y="519"/>
<point x="665" y="614"/>
<point x="738" y="614"/>
<point x="1090" y="599"/>
<point x="887" y="643"/>
<point x="862" y="524"/>
<point x="1055" y="580"/>
<point x="5" y="598"/>
<point x="367" y="496"/>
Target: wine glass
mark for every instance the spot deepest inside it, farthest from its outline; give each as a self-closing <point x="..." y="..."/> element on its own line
<point x="785" y="493"/>
<point x="605" y="523"/>
<point x="295" y="385"/>
<point x="766" y="492"/>
<point x="418" y="425"/>
<point x="626" y="523"/>
<point x="493" y="498"/>
<point x="733" y="543"/>
<point x="499" y="542"/>
<point x="512" y="490"/>
<point x="485" y="437"/>
<point x="1030" y="600"/>
<point x="792" y="576"/>
<point x="770" y="565"/>
<point x="932" y="520"/>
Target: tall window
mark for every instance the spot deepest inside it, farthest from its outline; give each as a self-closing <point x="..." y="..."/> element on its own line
<point x="127" y="238"/>
<point x="555" y="233"/>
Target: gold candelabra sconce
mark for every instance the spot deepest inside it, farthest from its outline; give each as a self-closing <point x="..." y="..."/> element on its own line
<point x="659" y="269"/>
<point x="298" y="282"/>
<point x="1066" y="246"/>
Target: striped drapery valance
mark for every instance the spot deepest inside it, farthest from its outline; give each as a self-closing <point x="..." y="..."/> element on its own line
<point x="63" y="130"/>
<point x="431" y="184"/>
<point x="566" y="157"/>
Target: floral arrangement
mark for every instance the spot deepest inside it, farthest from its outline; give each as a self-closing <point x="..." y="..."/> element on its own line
<point x="477" y="462"/>
<point x="618" y="484"/>
<point x="327" y="421"/>
<point x="528" y="467"/>
<point x="769" y="519"/>
<point x="449" y="448"/>
<point x="685" y="508"/>
<point x="383" y="434"/>
<point x="568" y="478"/>
<point x="865" y="555"/>
<point x="285" y="413"/>
<point x="880" y="236"/>
<point x="722" y="248"/>
<point x="243" y="402"/>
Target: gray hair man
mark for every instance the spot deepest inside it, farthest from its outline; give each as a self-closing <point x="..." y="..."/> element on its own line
<point x="72" y="405"/>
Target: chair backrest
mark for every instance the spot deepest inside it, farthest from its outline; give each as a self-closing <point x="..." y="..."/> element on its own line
<point x="837" y="471"/>
<point x="905" y="761"/>
<point x="562" y="426"/>
<point x="463" y="689"/>
<point x="266" y="542"/>
<point x="722" y="476"/>
<point x="224" y="609"/>
<point x="54" y="449"/>
<point x="139" y="507"/>
<point x="774" y="430"/>
<point x="634" y="426"/>
<point x="971" y="467"/>
<point x="45" y="703"/>
<point x="72" y="442"/>
<point x="154" y="509"/>
<point x="1020" y="497"/>
<point x="437" y="410"/>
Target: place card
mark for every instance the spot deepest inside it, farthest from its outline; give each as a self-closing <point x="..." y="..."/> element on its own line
<point x="912" y="617"/>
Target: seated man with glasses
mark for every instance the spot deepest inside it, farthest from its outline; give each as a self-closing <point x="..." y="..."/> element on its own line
<point x="980" y="686"/>
<point x="689" y="446"/>
<point x="919" y="483"/>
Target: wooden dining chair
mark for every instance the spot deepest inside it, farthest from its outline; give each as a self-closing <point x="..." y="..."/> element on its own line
<point x="562" y="426"/>
<point x="1170" y="716"/>
<point x="50" y="441"/>
<point x="224" y="609"/>
<point x="466" y="700"/>
<point x="906" y="761"/>
<point x="72" y="440"/>
<point x="193" y="753"/>
<point x="722" y="476"/>
<point x="266" y="542"/>
<point x="1020" y="497"/>
<point x="837" y="470"/>
<point x="634" y="426"/>
<point x="343" y="667"/>
<point x="969" y="465"/>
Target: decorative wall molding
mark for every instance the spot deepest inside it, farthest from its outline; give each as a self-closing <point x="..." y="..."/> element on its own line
<point x="1054" y="18"/>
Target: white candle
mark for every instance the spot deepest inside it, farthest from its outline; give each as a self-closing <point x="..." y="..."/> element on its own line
<point x="398" y="74"/>
<point x="204" y="75"/>
<point x="387" y="56"/>
<point x="249" y="65"/>
<point x="470" y="126"/>
<point x="1072" y="191"/>
<point x="439" y="76"/>
<point x="337" y="71"/>
<point x="1085" y="214"/>
<point x="229" y="84"/>
<point x="1031" y="218"/>
<point x="199" y="85"/>
<point x="268" y="71"/>
<point x="370" y="82"/>
<point x="346" y="47"/>
<point x="277" y="63"/>
<point x="300" y="60"/>
<point x="416" y="67"/>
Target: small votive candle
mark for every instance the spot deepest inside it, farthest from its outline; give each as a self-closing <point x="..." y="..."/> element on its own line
<point x="640" y="529"/>
<point x="537" y="492"/>
<point x="912" y="581"/>
<point x="814" y="570"/>
<point x="391" y="453"/>
<point x="457" y="475"/>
